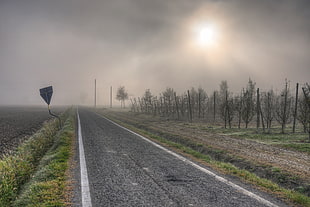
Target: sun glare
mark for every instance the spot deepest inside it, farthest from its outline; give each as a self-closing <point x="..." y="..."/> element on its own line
<point x="207" y="35"/>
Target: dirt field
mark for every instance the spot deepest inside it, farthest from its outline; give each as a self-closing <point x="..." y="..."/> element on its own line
<point x="263" y="159"/>
<point x="18" y="123"/>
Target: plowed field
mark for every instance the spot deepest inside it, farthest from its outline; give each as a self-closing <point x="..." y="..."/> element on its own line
<point x="18" y="123"/>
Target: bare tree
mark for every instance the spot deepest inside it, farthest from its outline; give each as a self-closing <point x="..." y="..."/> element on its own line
<point x="189" y="106"/>
<point x="133" y="106"/>
<point x="202" y="102"/>
<point x="223" y="96"/>
<point x="147" y="99"/>
<point x="295" y="108"/>
<point x="183" y="104"/>
<point x="267" y="108"/>
<point x="177" y="105"/>
<point x="230" y="110"/>
<point x="213" y="104"/>
<point x="238" y="107"/>
<point x="283" y="109"/>
<point x="122" y="95"/>
<point x="194" y="101"/>
<point x="304" y="108"/>
<point x="168" y="98"/>
<point x="303" y="113"/>
<point x="248" y="105"/>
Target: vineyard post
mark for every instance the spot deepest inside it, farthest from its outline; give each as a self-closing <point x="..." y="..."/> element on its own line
<point x="295" y="110"/>
<point x="257" y="111"/>
<point x="285" y="108"/>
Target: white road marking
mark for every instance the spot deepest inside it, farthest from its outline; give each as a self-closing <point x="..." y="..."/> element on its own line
<point x="217" y="177"/>
<point x="86" y="200"/>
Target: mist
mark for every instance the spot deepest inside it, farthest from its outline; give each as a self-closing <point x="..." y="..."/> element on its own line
<point x="144" y="44"/>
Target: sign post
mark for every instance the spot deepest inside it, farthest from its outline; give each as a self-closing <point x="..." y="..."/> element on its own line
<point x="46" y="93"/>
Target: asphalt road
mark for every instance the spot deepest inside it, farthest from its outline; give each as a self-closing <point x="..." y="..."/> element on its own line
<point x="125" y="170"/>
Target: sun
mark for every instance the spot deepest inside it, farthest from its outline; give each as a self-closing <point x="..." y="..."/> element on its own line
<point x="207" y="35"/>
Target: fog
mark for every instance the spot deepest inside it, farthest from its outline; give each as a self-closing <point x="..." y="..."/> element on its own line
<point x="147" y="44"/>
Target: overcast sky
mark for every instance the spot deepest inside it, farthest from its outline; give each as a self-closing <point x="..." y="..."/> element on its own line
<point x="145" y="44"/>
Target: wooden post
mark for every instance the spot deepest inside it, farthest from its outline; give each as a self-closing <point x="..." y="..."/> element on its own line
<point x="295" y="111"/>
<point x="257" y="111"/>
<point x="285" y="108"/>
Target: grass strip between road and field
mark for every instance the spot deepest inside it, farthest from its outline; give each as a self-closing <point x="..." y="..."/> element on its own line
<point x="226" y="168"/>
<point x="35" y="175"/>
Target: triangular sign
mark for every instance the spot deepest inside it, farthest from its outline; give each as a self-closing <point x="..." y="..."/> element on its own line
<point x="46" y="94"/>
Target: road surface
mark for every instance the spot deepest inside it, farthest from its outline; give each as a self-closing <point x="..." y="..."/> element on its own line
<point x="124" y="169"/>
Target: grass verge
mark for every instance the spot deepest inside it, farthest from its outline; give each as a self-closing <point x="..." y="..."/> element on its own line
<point x="226" y="168"/>
<point x="35" y="174"/>
<point x="293" y="141"/>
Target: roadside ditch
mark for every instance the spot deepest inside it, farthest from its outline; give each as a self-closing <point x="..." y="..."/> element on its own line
<point x="36" y="172"/>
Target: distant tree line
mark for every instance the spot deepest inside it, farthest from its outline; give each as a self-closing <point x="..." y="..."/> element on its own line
<point x="251" y="105"/>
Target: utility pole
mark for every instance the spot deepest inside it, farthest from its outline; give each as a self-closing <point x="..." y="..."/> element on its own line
<point x="95" y="94"/>
<point x="111" y="97"/>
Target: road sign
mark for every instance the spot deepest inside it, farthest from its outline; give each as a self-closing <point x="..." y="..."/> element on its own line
<point x="46" y="94"/>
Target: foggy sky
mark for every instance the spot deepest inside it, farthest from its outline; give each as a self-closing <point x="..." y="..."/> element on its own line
<point x="145" y="44"/>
